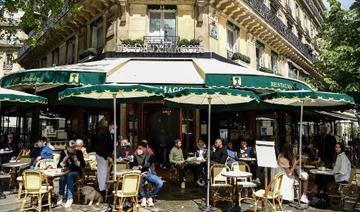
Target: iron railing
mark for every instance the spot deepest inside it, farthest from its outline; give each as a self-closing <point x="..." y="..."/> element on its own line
<point x="280" y="27"/>
<point x="7" y="66"/>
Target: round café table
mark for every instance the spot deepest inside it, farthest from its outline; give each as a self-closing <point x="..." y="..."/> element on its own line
<point x="3" y="175"/>
<point x="236" y="175"/>
<point x="15" y="165"/>
<point x="125" y="171"/>
<point x="323" y="172"/>
<point x="54" y="172"/>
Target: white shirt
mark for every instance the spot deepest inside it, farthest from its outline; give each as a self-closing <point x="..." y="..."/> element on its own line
<point x="342" y="168"/>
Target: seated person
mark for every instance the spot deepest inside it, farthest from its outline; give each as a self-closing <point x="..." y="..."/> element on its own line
<point x="287" y="165"/>
<point x="176" y="157"/>
<point x="9" y="144"/>
<point x="148" y="148"/>
<point x="45" y="151"/>
<point x="342" y="168"/>
<point x="73" y="160"/>
<point x="144" y="162"/>
<point x="231" y="154"/>
<point x="124" y="151"/>
<point x="311" y="152"/>
<point x="245" y="150"/>
<point x="201" y="155"/>
<point x="219" y="153"/>
<point x="80" y="146"/>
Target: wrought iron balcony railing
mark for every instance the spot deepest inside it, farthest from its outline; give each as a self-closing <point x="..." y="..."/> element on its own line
<point x="280" y="27"/>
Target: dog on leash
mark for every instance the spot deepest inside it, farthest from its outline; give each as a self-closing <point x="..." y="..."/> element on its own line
<point x="90" y="194"/>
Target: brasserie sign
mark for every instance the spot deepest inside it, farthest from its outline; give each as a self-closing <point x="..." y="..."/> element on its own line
<point x="162" y="47"/>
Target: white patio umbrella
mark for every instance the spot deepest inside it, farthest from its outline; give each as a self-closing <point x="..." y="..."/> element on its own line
<point x="219" y="97"/>
<point x="312" y="100"/>
<point x="107" y="93"/>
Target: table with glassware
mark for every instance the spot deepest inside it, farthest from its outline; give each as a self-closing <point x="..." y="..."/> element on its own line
<point x="247" y="159"/>
<point x="235" y="175"/>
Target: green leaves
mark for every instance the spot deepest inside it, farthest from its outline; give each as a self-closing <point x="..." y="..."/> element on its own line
<point x="340" y="50"/>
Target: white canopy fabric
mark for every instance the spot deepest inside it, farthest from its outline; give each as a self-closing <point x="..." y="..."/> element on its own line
<point x="346" y="115"/>
<point x="156" y="72"/>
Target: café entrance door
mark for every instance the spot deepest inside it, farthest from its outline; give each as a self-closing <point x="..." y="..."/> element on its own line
<point x="161" y="127"/>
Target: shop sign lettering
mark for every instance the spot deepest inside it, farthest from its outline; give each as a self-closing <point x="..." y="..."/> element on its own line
<point x="171" y="89"/>
<point x="282" y="85"/>
<point x="161" y="48"/>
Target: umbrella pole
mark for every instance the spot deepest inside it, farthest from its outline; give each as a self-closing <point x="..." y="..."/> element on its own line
<point x="300" y="145"/>
<point x="208" y="158"/>
<point x="115" y="157"/>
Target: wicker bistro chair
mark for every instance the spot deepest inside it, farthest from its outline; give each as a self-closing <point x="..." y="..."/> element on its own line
<point x="273" y="193"/>
<point x="127" y="186"/>
<point x="218" y="181"/>
<point x="348" y="190"/>
<point x="34" y="187"/>
<point x="109" y="181"/>
<point x="245" y="183"/>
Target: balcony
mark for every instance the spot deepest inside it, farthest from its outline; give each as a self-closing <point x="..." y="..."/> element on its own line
<point x="280" y="27"/>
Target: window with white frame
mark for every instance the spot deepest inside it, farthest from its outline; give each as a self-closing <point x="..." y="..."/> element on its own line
<point x="8" y="62"/>
<point x="259" y="55"/>
<point x="162" y="21"/>
<point x="232" y="37"/>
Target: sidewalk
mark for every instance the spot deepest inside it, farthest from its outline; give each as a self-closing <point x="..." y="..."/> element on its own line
<point x="171" y="199"/>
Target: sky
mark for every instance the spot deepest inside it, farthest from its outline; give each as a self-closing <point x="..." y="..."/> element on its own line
<point x="345" y="3"/>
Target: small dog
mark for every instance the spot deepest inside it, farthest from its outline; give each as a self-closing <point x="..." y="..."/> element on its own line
<point x="90" y="194"/>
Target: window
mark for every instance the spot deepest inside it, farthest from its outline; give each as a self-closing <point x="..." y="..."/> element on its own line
<point x="70" y="51"/>
<point x="259" y="55"/>
<point x="273" y="8"/>
<point x="305" y="22"/>
<point x="43" y="62"/>
<point x="300" y="36"/>
<point x="8" y="62"/>
<point x="162" y="21"/>
<point x="274" y="62"/>
<point x="232" y="37"/>
<point x="55" y="57"/>
<point x="97" y="34"/>
<point x="290" y="26"/>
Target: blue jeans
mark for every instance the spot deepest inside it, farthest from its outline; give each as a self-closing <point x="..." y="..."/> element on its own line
<point x="155" y="181"/>
<point x="69" y="181"/>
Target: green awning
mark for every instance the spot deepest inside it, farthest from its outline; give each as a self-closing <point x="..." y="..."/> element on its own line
<point x="261" y="82"/>
<point x="11" y="97"/>
<point x="58" y="77"/>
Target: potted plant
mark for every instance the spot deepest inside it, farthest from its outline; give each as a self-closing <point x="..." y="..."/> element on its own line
<point x="239" y="56"/>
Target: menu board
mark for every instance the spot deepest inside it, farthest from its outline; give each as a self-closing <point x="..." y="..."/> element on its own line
<point x="265" y="154"/>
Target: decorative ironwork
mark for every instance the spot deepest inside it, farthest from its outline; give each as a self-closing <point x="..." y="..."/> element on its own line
<point x="8" y="66"/>
<point x="280" y="27"/>
<point x="161" y="44"/>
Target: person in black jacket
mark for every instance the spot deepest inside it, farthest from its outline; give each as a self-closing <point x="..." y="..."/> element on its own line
<point x="104" y="152"/>
<point x="144" y="161"/>
<point x="219" y="154"/>
<point x="73" y="160"/>
<point x="326" y="147"/>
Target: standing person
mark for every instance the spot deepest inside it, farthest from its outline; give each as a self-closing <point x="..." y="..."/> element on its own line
<point x="73" y="160"/>
<point x="326" y="147"/>
<point x="104" y="152"/>
<point x="80" y="146"/>
<point x="342" y="168"/>
<point x="176" y="158"/>
<point x="219" y="154"/>
<point x="144" y="162"/>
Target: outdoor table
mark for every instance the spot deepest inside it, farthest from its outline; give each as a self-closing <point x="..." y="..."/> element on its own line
<point x="247" y="159"/>
<point x="15" y="165"/>
<point x="5" y="152"/>
<point x="194" y="160"/>
<point x="4" y="175"/>
<point x="236" y="175"/>
<point x="54" y="172"/>
<point x="328" y="172"/>
<point x="125" y="171"/>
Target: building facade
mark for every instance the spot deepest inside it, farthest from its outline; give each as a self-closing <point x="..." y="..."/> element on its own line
<point x="273" y="36"/>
